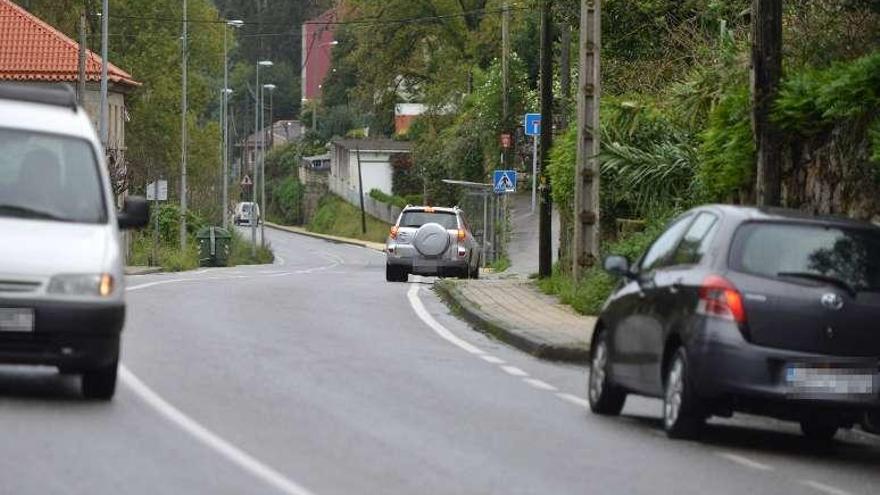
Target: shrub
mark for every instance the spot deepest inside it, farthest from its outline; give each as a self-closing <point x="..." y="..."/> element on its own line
<point x="727" y="152"/>
<point x="287" y="201"/>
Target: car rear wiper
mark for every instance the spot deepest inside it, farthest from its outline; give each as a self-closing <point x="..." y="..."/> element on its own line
<point x="25" y="212"/>
<point x="828" y="279"/>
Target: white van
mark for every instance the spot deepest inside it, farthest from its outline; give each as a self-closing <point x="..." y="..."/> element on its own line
<point x="61" y="264"/>
<point x="246" y="213"/>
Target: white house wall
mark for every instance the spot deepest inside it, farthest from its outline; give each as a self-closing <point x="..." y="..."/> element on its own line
<point x="375" y="168"/>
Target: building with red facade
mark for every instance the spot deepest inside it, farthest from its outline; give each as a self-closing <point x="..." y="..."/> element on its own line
<point x="317" y="45"/>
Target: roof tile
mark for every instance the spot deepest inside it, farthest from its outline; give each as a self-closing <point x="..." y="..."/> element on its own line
<point x="32" y="50"/>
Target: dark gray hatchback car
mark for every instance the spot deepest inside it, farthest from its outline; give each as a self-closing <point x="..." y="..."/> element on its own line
<point x="770" y="312"/>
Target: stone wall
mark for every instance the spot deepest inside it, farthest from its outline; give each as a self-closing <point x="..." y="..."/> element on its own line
<point x="832" y="174"/>
<point x="316" y="187"/>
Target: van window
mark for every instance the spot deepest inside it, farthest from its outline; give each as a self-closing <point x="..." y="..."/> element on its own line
<point x="49" y="177"/>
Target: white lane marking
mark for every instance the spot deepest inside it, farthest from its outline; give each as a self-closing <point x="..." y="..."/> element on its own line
<point x="574" y="399"/>
<point x="422" y="313"/>
<point x="541" y="385"/>
<point x="492" y="359"/>
<point x="513" y="370"/>
<point x="745" y="461"/>
<point x="822" y="487"/>
<point x="198" y="272"/>
<point x="152" y="284"/>
<point x="209" y="438"/>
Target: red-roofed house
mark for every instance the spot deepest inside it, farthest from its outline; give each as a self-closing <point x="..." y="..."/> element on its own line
<point x="33" y="52"/>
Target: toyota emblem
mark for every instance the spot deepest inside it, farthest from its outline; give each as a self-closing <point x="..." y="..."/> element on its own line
<point x="832" y="301"/>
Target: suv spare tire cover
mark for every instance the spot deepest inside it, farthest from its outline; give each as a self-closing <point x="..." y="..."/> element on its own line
<point x="431" y="239"/>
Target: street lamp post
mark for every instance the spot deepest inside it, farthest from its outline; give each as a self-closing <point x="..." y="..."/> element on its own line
<point x="271" y="88"/>
<point x="257" y="132"/>
<point x="224" y="116"/>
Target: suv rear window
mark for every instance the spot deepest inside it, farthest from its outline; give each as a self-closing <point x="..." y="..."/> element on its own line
<point x="851" y="255"/>
<point x="49" y="177"/>
<point x="417" y="218"/>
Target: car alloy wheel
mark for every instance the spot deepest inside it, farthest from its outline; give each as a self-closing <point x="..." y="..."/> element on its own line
<point x="603" y="396"/>
<point x="683" y="415"/>
<point x="674" y="390"/>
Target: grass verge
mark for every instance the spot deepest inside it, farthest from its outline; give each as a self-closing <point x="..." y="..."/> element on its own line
<point x="335" y="216"/>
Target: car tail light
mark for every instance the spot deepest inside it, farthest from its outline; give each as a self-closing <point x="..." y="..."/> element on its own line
<point x="461" y="235"/>
<point x="394" y="230"/>
<point x="721" y="299"/>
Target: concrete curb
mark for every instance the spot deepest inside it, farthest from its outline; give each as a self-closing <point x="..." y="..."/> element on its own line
<point x="523" y="341"/>
<point x="331" y="238"/>
<point x="142" y="270"/>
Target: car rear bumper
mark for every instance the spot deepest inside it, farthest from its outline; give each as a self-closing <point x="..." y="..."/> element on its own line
<point x="408" y="258"/>
<point x="71" y="334"/>
<point x="749" y="377"/>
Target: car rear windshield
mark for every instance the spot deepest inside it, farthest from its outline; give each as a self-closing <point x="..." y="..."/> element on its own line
<point x="49" y="177"/>
<point x="417" y="218"/>
<point x="851" y="255"/>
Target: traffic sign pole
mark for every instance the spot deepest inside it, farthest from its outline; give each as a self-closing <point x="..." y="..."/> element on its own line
<point x="534" y="172"/>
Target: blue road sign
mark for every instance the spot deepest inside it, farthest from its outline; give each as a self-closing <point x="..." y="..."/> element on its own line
<point x="532" y="123"/>
<point x="505" y="181"/>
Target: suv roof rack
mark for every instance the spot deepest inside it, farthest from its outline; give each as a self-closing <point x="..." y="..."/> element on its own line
<point x="60" y="95"/>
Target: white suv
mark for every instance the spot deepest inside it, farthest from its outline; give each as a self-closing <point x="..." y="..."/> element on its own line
<point x="61" y="264"/>
<point x="431" y="241"/>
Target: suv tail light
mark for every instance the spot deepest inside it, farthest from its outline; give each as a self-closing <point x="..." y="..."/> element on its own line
<point x="394" y="230"/>
<point x="461" y="235"/>
<point x="721" y="299"/>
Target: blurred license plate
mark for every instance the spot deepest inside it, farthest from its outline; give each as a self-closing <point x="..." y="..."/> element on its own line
<point x="808" y="381"/>
<point x="16" y="320"/>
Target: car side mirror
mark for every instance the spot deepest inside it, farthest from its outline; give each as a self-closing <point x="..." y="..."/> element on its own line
<point x="135" y="213"/>
<point x="618" y="266"/>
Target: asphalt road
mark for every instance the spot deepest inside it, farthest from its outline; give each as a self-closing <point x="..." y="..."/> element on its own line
<point x="315" y="376"/>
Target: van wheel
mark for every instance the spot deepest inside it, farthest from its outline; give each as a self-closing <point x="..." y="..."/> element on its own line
<point x="818" y="430"/>
<point x="683" y="415"/>
<point x="99" y="383"/>
<point x="604" y="397"/>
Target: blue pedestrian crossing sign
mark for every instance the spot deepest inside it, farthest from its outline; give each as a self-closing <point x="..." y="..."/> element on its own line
<point x="505" y="181"/>
<point x="532" y="124"/>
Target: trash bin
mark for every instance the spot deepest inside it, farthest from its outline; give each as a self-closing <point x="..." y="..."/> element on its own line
<point x="214" y="246"/>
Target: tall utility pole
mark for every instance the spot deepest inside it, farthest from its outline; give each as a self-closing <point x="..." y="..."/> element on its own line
<point x="505" y="65"/>
<point x="183" y="134"/>
<point x="268" y="135"/>
<point x="105" y="20"/>
<point x="766" y="73"/>
<point x="545" y="234"/>
<point x="225" y="117"/>
<point x="255" y="185"/>
<point x="586" y="179"/>
<point x="81" y="66"/>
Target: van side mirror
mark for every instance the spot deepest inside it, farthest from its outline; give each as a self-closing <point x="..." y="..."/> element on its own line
<point x="135" y="213"/>
<point x="618" y="266"/>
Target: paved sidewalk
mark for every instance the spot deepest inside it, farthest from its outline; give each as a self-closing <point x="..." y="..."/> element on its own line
<point x="516" y="312"/>
<point x="142" y="270"/>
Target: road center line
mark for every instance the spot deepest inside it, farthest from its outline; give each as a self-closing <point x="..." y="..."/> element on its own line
<point x="573" y="399"/>
<point x="209" y="438"/>
<point x="492" y="359"/>
<point x="822" y="487"/>
<point x="541" y="385"/>
<point x="513" y="370"/>
<point x="745" y="461"/>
